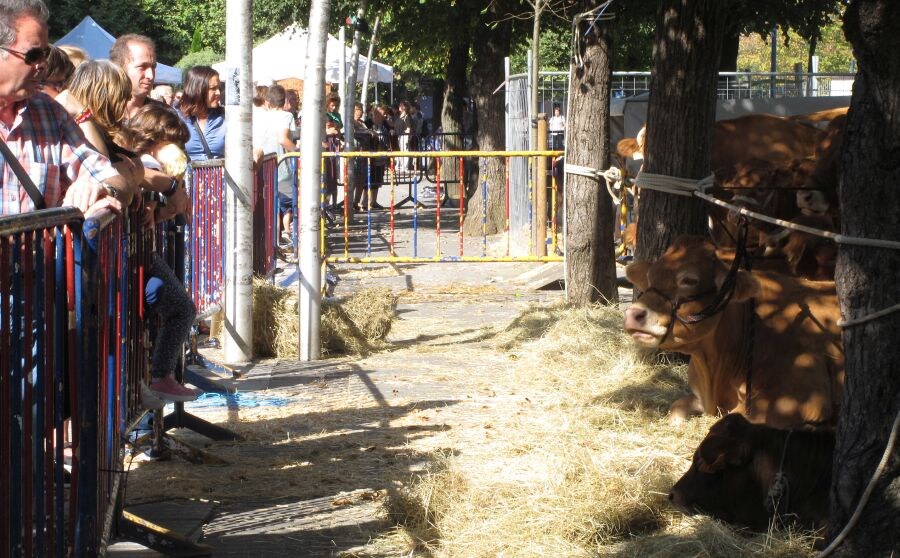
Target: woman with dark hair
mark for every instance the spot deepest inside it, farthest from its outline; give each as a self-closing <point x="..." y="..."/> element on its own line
<point x="201" y="110"/>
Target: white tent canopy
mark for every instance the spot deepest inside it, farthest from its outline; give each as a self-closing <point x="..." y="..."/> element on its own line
<point x="283" y="56"/>
<point x="96" y="41"/>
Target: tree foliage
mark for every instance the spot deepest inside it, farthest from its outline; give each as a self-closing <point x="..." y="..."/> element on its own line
<point x="835" y="54"/>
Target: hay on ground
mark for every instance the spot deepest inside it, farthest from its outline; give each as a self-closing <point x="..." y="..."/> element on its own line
<point x="582" y="465"/>
<point x="357" y="324"/>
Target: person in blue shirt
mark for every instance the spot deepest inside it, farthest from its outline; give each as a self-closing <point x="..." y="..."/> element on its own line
<point x="202" y="111"/>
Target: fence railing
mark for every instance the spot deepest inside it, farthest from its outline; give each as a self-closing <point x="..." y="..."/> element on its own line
<point x="428" y="226"/>
<point x="205" y="235"/>
<point x="553" y="87"/>
<point x="265" y="215"/>
<point x="70" y="381"/>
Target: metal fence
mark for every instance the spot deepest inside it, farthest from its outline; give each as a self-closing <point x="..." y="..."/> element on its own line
<point x="553" y="87"/>
<point x="71" y="314"/>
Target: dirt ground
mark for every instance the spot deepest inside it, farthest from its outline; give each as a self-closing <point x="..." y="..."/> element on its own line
<point x="325" y="442"/>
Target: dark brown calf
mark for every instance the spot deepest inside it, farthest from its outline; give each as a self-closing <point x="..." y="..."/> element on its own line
<point x="746" y="474"/>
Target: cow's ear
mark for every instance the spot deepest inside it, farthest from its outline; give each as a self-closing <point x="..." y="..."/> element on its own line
<point x="636" y="272"/>
<point x="746" y="286"/>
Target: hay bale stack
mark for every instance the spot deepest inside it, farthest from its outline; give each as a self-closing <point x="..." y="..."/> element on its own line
<point x="357" y="324"/>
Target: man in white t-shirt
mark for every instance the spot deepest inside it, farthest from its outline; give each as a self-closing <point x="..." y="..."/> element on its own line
<point x="557" y="127"/>
<point x="276" y="128"/>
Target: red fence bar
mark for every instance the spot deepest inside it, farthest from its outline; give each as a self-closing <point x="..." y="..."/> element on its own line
<point x="265" y="215"/>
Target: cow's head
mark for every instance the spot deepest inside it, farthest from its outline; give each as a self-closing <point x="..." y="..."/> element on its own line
<point x="721" y="481"/>
<point x="676" y="289"/>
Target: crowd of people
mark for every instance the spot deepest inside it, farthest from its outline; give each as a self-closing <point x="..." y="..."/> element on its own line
<point x="85" y="133"/>
<point x="103" y="135"/>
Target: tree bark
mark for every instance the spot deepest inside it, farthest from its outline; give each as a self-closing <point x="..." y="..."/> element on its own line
<point x="730" y="48"/>
<point x="490" y="47"/>
<point x="867" y="282"/>
<point x="590" y="220"/>
<point x="680" y="118"/>
<point x="454" y="93"/>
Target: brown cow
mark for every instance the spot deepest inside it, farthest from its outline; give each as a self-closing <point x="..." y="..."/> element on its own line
<point x="821" y="193"/>
<point x="754" y="136"/>
<point x="810" y="256"/>
<point x="775" y="333"/>
<point x="747" y="474"/>
<point x="761" y="136"/>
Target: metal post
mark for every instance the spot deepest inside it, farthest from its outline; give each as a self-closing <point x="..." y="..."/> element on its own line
<point x="310" y="284"/>
<point x="540" y="190"/>
<point x="364" y="94"/>
<point x="342" y="73"/>
<point x="238" y="332"/>
<point x="529" y="61"/>
<point x="813" y="79"/>
<point x="774" y="62"/>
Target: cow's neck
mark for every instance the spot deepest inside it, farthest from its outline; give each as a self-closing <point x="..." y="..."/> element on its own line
<point x="719" y="362"/>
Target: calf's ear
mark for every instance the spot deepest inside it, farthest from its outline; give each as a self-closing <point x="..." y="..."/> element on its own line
<point x="636" y="272"/>
<point x="746" y="286"/>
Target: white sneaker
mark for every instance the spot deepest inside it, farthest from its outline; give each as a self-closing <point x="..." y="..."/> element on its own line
<point x="149" y="400"/>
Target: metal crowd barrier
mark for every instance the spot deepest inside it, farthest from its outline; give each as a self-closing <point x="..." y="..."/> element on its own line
<point x="205" y="235"/>
<point x="265" y="215"/>
<point x="75" y="362"/>
<point x="357" y="251"/>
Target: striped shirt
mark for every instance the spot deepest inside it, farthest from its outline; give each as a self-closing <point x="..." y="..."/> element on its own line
<point x="52" y="150"/>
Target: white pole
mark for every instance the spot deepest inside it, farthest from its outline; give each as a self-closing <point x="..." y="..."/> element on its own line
<point x="364" y="94"/>
<point x="342" y="74"/>
<point x="310" y="296"/>
<point x="238" y="334"/>
<point x="351" y="77"/>
<point x="351" y="98"/>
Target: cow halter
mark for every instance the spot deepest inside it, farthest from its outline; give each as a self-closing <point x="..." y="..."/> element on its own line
<point x="722" y="295"/>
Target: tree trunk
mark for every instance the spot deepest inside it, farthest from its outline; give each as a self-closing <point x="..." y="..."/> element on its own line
<point x="867" y="282"/>
<point x="730" y="47"/>
<point x="490" y="47"/>
<point x="454" y="93"/>
<point x="590" y="220"/>
<point x="680" y="118"/>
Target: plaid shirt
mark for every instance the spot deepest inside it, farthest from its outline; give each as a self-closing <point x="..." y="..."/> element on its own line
<point x="52" y="150"/>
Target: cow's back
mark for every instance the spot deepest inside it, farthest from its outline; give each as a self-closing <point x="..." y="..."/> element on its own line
<point x="761" y="136"/>
<point x="798" y="361"/>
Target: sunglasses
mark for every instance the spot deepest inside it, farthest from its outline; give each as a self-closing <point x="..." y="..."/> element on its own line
<point x="31" y="56"/>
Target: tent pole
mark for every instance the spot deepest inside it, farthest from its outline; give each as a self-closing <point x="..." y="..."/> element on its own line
<point x="364" y="94"/>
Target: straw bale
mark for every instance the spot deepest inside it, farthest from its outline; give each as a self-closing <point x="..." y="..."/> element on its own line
<point x="357" y="324"/>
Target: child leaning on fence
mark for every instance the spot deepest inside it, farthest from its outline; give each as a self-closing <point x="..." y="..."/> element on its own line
<point x="157" y="134"/>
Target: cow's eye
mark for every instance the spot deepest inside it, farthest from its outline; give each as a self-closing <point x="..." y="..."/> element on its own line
<point x="688" y="281"/>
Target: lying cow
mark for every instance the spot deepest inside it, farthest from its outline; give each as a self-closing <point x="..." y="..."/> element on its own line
<point x="747" y="474"/>
<point x="776" y="334"/>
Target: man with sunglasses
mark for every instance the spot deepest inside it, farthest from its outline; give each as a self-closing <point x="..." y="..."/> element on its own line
<point x="39" y="133"/>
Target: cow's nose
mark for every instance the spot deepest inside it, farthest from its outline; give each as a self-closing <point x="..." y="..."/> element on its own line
<point x="635" y="316"/>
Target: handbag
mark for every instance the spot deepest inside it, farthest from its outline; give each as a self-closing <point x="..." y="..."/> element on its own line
<point x="36" y="197"/>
